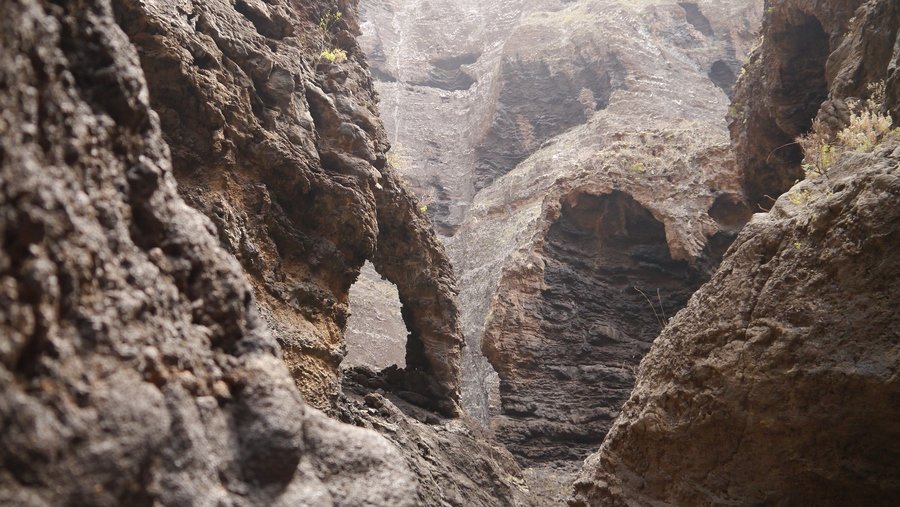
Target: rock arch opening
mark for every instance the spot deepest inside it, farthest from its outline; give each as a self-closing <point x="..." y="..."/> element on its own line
<point x="375" y="300"/>
<point x="608" y="283"/>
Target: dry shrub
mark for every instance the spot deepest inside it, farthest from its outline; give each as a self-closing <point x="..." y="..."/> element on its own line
<point x="868" y="127"/>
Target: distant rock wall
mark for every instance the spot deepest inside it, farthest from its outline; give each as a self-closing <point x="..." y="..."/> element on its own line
<point x="778" y="383"/>
<point x="604" y="231"/>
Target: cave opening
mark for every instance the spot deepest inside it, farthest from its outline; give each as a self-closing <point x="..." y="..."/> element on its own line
<point x="375" y="300"/>
<point x="609" y="283"/>
<point x="801" y="73"/>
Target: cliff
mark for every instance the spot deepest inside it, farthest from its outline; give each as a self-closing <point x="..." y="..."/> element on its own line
<point x="135" y="369"/>
<point x="574" y="158"/>
<point x="777" y="384"/>
<point x="156" y="355"/>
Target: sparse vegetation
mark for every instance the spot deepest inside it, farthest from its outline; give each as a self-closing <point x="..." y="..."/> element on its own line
<point x="800" y="197"/>
<point x="327" y="21"/>
<point x="396" y="159"/>
<point x="868" y="127"/>
<point x="334" y="55"/>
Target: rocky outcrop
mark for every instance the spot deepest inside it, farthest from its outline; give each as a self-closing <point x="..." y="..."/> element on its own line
<point x="282" y="148"/>
<point x="133" y="367"/>
<point x="777" y="383"/>
<point x="810" y="51"/>
<point x="454" y="461"/>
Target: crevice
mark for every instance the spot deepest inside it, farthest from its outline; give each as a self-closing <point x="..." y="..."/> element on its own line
<point x="723" y="76"/>
<point x="695" y="17"/>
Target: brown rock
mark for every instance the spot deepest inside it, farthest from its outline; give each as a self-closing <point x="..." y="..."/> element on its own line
<point x="283" y="150"/>
<point x="777" y="383"/>
<point x="119" y="308"/>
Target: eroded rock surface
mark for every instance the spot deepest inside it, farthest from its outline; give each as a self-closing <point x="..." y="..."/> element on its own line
<point x="778" y="383"/>
<point x="587" y="156"/>
<point x="134" y="366"/>
<point x="284" y="151"/>
<point x="540" y="70"/>
<point x="588" y="245"/>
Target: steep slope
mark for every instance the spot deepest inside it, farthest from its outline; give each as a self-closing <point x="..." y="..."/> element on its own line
<point x="135" y="368"/>
<point x="778" y="383"/>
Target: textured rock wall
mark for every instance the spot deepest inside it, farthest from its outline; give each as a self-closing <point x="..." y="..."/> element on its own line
<point x="539" y="70"/>
<point x="284" y="151"/>
<point x="134" y="366"/>
<point x="777" y="384"/>
<point x="641" y="198"/>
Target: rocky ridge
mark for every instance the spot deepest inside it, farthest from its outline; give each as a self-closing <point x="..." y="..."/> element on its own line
<point x="284" y="151"/>
<point x="777" y="383"/>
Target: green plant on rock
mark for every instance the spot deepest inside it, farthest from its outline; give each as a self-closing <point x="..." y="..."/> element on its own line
<point x="800" y="197"/>
<point x="327" y="21"/>
<point x="334" y="55"/>
<point x="868" y="127"/>
<point x="396" y="159"/>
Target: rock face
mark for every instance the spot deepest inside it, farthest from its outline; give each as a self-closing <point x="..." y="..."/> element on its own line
<point x="777" y="383"/>
<point x="283" y="150"/>
<point x="549" y="92"/>
<point x="810" y="52"/>
<point x="134" y="366"/>
<point x="589" y="244"/>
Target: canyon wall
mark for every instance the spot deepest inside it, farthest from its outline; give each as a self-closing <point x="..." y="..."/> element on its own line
<point x="607" y="228"/>
<point x="574" y="158"/>
<point x="778" y="383"/>
<point x="282" y="148"/>
<point x="156" y="355"/>
<point x="135" y="369"/>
